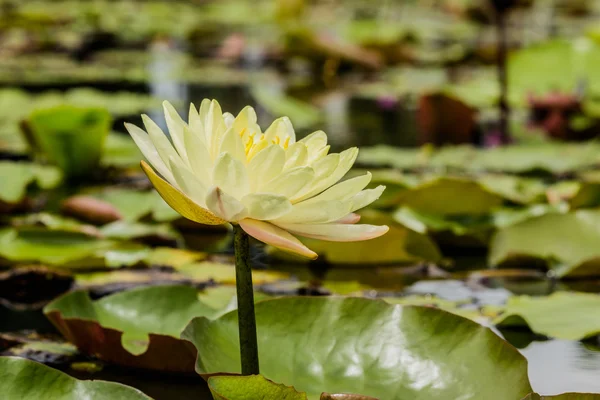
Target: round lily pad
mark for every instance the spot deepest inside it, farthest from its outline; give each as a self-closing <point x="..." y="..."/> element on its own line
<point x="368" y="347"/>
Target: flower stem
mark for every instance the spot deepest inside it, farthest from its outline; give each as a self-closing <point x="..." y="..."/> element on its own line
<point x="245" y="300"/>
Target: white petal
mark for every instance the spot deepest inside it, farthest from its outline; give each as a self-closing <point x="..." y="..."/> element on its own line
<point x="176" y="126"/>
<point x="231" y="176"/>
<point x="189" y="184"/>
<point x="200" y="161"/>
<point x="290" y="182"/>
<point x="324" y="168"/>
<point x="347" y="159"/>
<point x="317" y="213"/>
<point x="224" y="206"/>
<point x="296" y="155"/>
<point x="228" y="118"/>
<point x="315" y="141"/>
<point x="275" y="236"/>
<point x="337" y="232"/>
<point x="266" y="206"/>
<point x="147" y="148"/>
<point x="232" y="144"/>
<point x="366" y="197"/>
<point x="265" y="166"/>
<point x="343" y="190"/>
<point x="196" y="125"/>
<point x="351" y="218"/>
<point x="245" y="123"/>
<point x="161" y="142"/>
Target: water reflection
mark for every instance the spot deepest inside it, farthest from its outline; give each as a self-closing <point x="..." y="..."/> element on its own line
<point x="559" y="366"/>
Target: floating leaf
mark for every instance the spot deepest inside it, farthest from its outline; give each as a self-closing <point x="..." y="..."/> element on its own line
<point x="137" y="328"/>
<point x="565" y="396"/>
<point x="389" y="352"/>
<point x="562" y="315"/>
<point x="24" y="379"/>
<point x="225" y="273"/>
<point x="17" y="177"/>
<point x="253" y="386"/>
<point x="150" y="233"/>
<point x="426" y="197"/>
<point x="70" y="137"/>
<point x="67" y="249"/>
<point x="120" y="151"/>
<point x="134" y="204"/>
<point x="574" y="252"/>
<point x="304" y="115"/>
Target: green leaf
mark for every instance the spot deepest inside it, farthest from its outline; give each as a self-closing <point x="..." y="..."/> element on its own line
<point x="138" y="230"/>
<point x="573" y="252"/>
<point x="389" y="352"/>
<point x="120" y="151"/>
<point x="428" y="196"/>
<point x="67" y="249"/>
<point x="138" y="327"/>
<point x="24" y="379"/>
<point x="254" y="386"/>
<point x="70" y="137"/>
<point x="400" y="245"/>
<point x="565" y="396"/>
<point x="303" y="115"/>
<point x="17" y="177"/>
<point x="562" y="315"/>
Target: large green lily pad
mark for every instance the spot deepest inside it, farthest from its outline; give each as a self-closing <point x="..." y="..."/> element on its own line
<point x="135" y="204"/>
<point x="562" y="315"/>
<point x="367" y="347"/>
<point x="22" y="379"/>
<point x="567" y="242"/>
<point x="138" y="328"/>
<point x="17" y="177"/>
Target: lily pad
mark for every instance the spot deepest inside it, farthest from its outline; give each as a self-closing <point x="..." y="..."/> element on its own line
<point x="565" y="396"/>
<point x="67" y="249"/>
<point x="134" y="204"/>
<point x="136" y="328"/>
<point x="573" y="252"/>
<point x="426" y="197"/>
<point x="400" y="245"/>
<point x="24" y="379"/>
<point x="389" y="352"/>
<point x="70" y="137"/>
<point x="254" y="386"/>
<point x="17" y="177"/>
<point x="562" y="315"/>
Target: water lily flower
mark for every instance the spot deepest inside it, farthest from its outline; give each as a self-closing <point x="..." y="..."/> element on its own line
<point x="218" y="168"/>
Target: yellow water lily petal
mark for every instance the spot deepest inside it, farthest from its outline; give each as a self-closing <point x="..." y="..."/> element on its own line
<point x="231" y="176"/>
<point x="161" y="142"/>
<point x="337" y="232"/>
<point x="233" y="145"/>
<point x="316" y="213"/>
<point x="366" y="197"/>
<point x="315" y="142"/>
<point x="179" y="201"/>
<point x="224" y="205"/>
<point x="143" y="142"/>
<point x="228" y="118"/>
<point x="198" y="156"/>
<point x="324" y="168"/>
<point x="190" y="185"/>
<point x="176" y="126"/>
<point x="346" y="160"/>
<point x="245" y="124"/>
<point x="343" y="190"/>
<point x="275" y="236"/>
<point x="266" y="206"/>
<point x="296" y="155"/>
<point x="265" y="166"/>
<point x="351" y="218"/>
<point x="196" y="125"/>
<point x="290" y="182"/>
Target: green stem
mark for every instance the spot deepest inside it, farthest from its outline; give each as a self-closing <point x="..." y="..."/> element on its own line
<point x="245" y="299"/>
